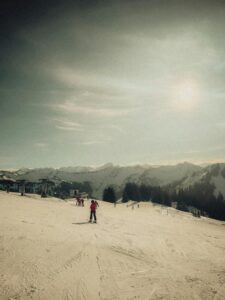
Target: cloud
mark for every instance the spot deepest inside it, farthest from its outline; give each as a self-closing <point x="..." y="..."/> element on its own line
<point x="95" y="137"/>
<point x="40" y="145"/>
<point x="68" y="125"/>
<point x="92" y="142"/>
<point x="117" y="128"/>
<point x="113" y="68"/>
<point x="91" y="110"/>
<point x="92" y="79"/>
<point x="67" y="128"/>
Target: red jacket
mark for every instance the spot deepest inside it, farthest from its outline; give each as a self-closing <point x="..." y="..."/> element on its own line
<point x="93" y="206"/>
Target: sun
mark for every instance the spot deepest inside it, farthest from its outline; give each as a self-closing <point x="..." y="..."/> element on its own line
<point x="185" y="96"/>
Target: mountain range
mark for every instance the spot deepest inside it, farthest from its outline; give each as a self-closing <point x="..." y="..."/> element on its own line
<point x="180" y="176"/>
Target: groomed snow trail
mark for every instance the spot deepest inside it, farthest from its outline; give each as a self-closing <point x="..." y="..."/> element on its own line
<point x="48" y="250"/>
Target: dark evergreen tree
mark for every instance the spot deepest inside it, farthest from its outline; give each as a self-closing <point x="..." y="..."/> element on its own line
<point x="125" y="196"/>
<point x="109" y="195"/>
<point x="182" y="206"/>
<point x="166" y="198"/>
<point x="156" y="195"/>
<point x="145" y="192"/>
<point x="131" y="192"/>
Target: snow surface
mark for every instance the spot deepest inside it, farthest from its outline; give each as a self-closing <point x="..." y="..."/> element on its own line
<point x="49" y="251"/>
<point x="219" y="183"/>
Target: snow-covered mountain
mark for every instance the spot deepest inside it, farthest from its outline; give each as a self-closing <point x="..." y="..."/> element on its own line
<point x="109" y="174"/>
<point x="210" y="175"/>
<point x="77" y="169"/>
<point x="181" y="176"/>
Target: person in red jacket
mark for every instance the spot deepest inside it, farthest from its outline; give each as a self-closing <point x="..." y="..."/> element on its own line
<point x="93" y="207"/>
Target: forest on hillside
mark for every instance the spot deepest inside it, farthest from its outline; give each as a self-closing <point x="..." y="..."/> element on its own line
<point x="200" y="197"/>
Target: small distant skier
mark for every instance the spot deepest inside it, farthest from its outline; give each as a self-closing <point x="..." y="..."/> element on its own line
<point x="8" y="188"/>
<point x="78" y="201"/>
<point x="93" y="207"/>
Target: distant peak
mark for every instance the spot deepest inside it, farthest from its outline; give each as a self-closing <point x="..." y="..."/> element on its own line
<point x="106" y="166"/>
<point x="186" y="163"/>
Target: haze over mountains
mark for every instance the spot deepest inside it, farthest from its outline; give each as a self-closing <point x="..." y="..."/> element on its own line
<point x="180" y="176"/>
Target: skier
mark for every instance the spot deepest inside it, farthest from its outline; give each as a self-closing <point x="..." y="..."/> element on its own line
<point x="93" y="207"/>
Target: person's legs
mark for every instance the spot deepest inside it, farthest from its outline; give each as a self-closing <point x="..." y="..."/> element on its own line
<point x="94" y="213"/>
<point x="91" y="216"/>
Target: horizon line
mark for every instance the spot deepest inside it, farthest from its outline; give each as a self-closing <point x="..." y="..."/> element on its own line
<point x="94" y="167"/>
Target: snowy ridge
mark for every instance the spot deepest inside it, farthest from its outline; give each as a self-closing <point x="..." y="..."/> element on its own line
<point x="182" y="175"/>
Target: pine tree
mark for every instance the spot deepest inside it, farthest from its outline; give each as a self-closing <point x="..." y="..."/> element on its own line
<point x="109" y="195"/>
<point x="131" y="192"/>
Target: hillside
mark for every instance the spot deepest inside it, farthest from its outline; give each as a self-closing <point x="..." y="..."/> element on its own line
<point x="211" y="175"/>
<point x="48" y="251"/>
<point x="180" y="176"/>
<point x="110" y="175"/>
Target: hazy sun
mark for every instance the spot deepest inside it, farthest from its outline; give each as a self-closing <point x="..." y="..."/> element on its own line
<point x="185" y="96"/>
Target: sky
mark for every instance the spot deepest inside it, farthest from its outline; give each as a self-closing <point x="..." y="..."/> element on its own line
<point x="91" y="82"/>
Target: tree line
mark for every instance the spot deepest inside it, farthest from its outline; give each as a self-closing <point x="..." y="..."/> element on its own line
<point x="64" y="188"/>
<point x="200" y="197"/>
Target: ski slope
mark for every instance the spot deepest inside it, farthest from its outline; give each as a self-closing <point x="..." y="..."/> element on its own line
<point x="49" y="251"/>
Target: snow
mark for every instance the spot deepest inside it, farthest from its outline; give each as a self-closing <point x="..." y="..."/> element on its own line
<point x="219" y="183"/>
<point x="49" y="251"/>
<point x="113" y="175"/>
<point x="182" y="175"/>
